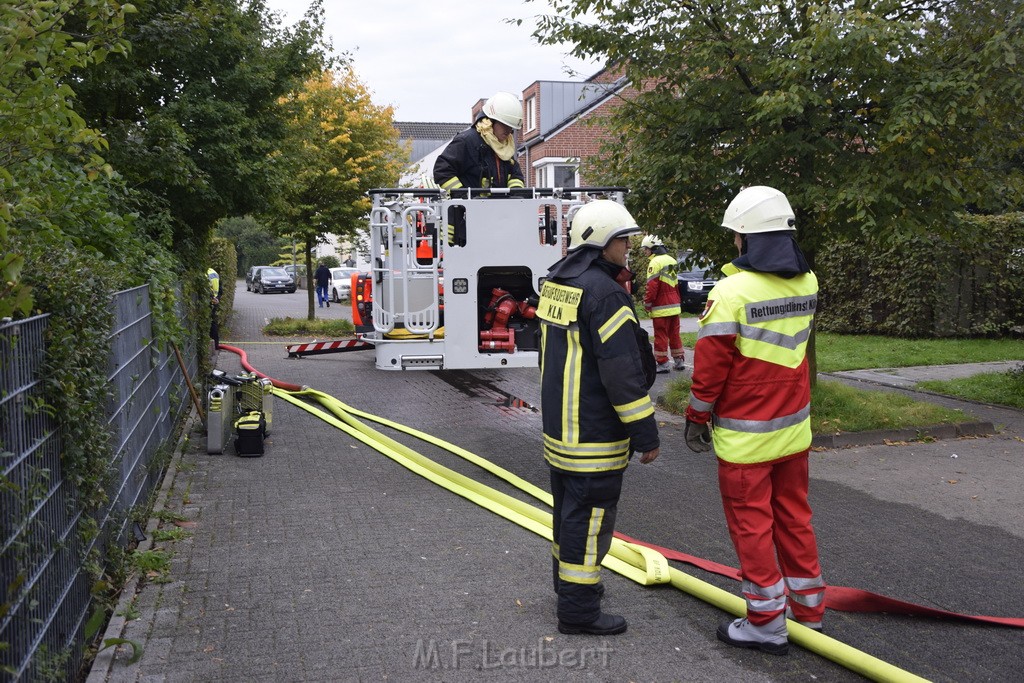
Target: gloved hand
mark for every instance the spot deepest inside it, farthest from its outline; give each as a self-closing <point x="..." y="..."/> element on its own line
<point x="697" y="436"/>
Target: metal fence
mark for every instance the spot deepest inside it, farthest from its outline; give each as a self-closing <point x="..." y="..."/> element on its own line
<point x="46" y="598"/>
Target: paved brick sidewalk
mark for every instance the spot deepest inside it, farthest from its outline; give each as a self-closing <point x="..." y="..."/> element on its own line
<point x="326" y="561"/>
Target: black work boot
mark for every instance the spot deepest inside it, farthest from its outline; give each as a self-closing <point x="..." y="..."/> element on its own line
<point x="604" y="625"/>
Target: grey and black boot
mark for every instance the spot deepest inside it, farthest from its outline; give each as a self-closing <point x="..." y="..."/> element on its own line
<point x="772" y="638"/>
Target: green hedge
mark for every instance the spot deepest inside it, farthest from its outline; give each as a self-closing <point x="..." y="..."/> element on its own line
<point x="224" y="259"/>
<point x="927" y="286"/>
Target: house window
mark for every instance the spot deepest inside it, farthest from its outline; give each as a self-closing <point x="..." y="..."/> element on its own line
<point x="531" y="113"/>
<point x="556" y="173"/>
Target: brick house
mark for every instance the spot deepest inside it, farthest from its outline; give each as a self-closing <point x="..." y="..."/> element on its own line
<point x="557" y="133"/>
<point x="561" y="126"/>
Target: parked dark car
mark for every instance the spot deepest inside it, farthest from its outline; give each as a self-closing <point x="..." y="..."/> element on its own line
<point x="249" y="275"/>
<point x="272" y="279"/>
<point x="697" y="277"/>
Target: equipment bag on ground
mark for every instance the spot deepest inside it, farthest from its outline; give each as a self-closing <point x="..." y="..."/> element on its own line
<point x="250" y="430"/>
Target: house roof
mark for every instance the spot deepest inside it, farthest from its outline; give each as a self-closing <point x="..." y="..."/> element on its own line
<point x="429" y="130"/>
<point x="426" y="136"/>
<point x="569" y="101"/>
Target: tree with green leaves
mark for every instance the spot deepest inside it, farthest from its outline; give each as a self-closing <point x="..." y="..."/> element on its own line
<point x="888" y="116"/>
<point x="255" y="242"/>
<point x="191" y="112"/>
<point x="51" y="166"/>
<point x="340" y="145"/>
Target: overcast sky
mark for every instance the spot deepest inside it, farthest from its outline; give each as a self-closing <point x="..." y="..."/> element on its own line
<point x="433" y="59"/>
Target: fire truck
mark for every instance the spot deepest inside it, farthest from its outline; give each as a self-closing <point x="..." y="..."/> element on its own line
<point x="455" y="276"/>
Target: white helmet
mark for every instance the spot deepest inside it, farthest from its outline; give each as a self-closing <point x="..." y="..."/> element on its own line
<point x="651" y="241"/>
<point x="599" y="222"/>
<point x="759" y="209"/>
<point x="504" y="107"/>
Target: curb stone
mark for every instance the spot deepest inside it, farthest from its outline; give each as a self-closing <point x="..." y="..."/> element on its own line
<point x="119" y="625"/>
<point x="882" y="436"/>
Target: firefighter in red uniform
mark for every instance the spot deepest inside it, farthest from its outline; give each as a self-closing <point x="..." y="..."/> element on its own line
<point x="751" y="381"/>
<point x="661" y="301"/>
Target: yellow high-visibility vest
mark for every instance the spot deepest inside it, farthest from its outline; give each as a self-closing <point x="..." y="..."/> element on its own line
<point x="760" y="395"/>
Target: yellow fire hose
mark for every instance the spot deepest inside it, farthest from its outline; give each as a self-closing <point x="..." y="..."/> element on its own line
<point x="638" y="563"/>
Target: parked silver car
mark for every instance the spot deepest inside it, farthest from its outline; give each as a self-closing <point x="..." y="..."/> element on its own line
<point x="341" y="283"/>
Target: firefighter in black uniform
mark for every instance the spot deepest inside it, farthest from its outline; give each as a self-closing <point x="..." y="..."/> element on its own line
<point x="596" y="369"/>
<point x="484" y="155"/>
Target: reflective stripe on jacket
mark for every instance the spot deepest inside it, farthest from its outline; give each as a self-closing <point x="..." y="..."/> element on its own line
<point x="662" y="295"/>
<point x="214" y="279"/>
<point x="595" y="407"/>
<point x="750" y="365"/>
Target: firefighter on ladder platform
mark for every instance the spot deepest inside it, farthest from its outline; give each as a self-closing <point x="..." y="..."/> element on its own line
<point x="751" y="381"/>
<point x="661" y="300"/>
<point x="483" y="155"/>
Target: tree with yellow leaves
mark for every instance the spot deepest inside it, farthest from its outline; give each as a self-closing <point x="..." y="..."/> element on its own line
<point x="340" y="145"/>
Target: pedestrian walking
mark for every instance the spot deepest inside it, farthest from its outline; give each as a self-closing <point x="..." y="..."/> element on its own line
<point x="322" y="280"/>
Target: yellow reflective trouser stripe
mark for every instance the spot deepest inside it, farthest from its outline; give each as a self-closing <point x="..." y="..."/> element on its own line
<point x="452" y="184"/>
<point x="590" y="571"/>
<point x="621" y="317"/>
<point x="571" y="379"/>
<point x="515" y="182"/>
<point x="596" y="518"/>
<point x="578" y="573"/>
<point x="637" y="410"/>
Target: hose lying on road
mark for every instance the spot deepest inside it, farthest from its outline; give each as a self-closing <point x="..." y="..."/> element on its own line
<point x="640" y="563"/>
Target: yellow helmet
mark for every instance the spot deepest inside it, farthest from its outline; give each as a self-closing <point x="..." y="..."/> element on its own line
<point x="599" y="222"/>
